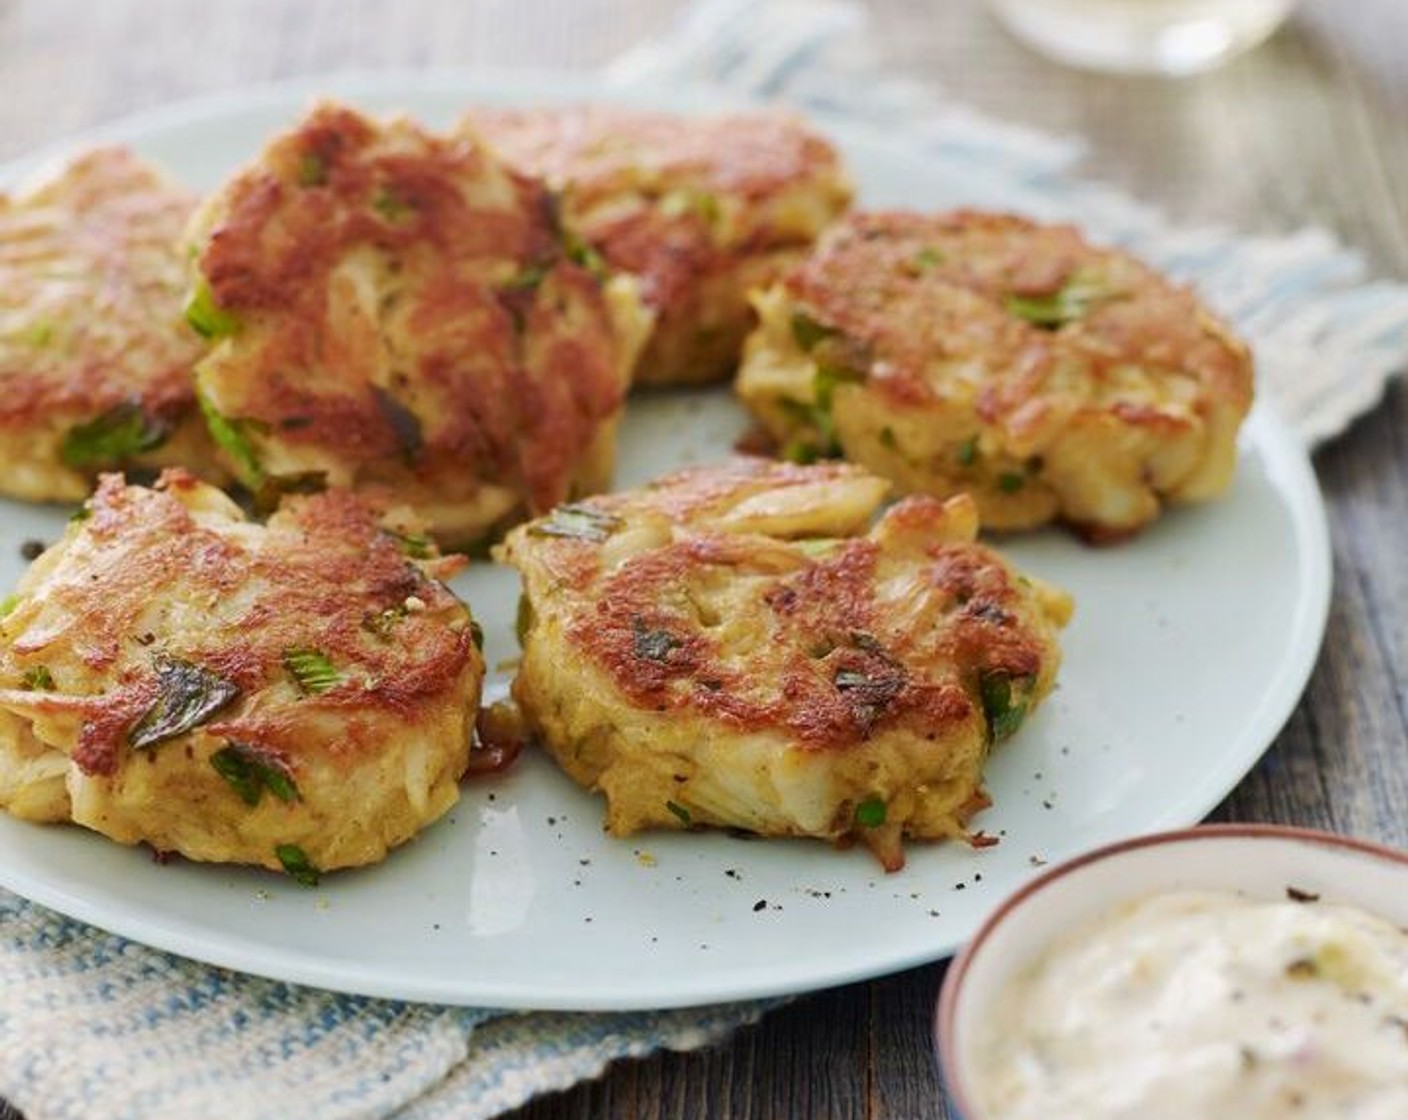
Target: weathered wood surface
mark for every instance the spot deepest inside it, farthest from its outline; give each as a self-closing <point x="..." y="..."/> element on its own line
<point x="1312" y="128"/>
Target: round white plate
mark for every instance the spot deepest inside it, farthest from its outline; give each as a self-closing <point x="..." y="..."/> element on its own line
<point x="1188" y="651"/>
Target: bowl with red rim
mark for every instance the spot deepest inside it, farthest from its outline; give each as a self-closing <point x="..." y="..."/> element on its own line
<point x="1271" y="862"/>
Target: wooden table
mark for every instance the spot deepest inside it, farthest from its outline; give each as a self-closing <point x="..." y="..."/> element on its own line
<point x="1312" y="128"/>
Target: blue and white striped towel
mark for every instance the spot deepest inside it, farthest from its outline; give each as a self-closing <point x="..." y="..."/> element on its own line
<point x="93" y="1025"/>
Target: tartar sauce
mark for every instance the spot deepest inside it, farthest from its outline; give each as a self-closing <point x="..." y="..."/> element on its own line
<point x="1205" y="1006"/>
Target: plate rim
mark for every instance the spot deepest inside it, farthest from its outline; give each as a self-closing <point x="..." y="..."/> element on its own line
<point x="1285" y="458"/>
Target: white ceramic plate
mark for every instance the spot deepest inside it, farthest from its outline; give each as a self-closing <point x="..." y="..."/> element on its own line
<point x="1188" y="651"/>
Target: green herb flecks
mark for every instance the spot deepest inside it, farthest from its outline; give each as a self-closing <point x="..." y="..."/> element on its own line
<point x="1009" y="482"/>
<point x="808" y="332"/>
<point x="1004" y="702"/>
<point x="680" y="812"/>
<point x="187" y="696"/>
<point x="803" y="452"/>
<point x="1075" y="300"/>
<point x="702" y="204"/>
<point x="8" y="604"/>
<point x="887" y="439"/>
<point x="312" y="170"/>
<point x="817" y="546"/>
<point x="927" y="258"/>
<point x="651" y="645"/>
<point x="37" y="678"/>
<point x="871" y="813"/>
<point x="968" y="452"/>
<point x="232" y="437"/>
<point x="296" y="862"/>
<point x="40" y="335"/>
<point x="120" y="433"/>
<point x="582" y="254"/>
<point x="529" y="277"/>
<point x="208" y="318"/>
<point x="578" y="522"/>
<point x="251" y="771"/>
<point x="311" y="670"/>
<point x="389" y="205"/>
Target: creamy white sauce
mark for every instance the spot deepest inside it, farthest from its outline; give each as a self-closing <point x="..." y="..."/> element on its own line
<point x="1204" y="1006"/>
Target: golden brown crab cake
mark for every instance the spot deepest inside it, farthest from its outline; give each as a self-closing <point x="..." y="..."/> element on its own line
<point x="976" y="352"/>
<point x="738" y="646"/>
<point x="397" y="309"/>
<point x="95" y="362"/>
<point x="297" y="694"/>
<point x="700" y="209"/>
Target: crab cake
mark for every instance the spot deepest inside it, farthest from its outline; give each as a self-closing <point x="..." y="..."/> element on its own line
<point x="95" y="362"/>
<point x="701" y="210"/>
<point x="737" y="646"/>
<point x="391" y="308"/>
<point x="984" y="353"/>
<point x="297" y="694"/>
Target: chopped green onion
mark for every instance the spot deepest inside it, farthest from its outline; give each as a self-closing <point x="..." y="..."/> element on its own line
<point x="808" y="332"/>
<point x="41" y="334"/>
<point x="803" y="452"/>
<point x="817" y="546"/>
<point x="118" y="434"/>
<point x="250" y="772"/>
<point x="1075" y="300"/>
<point x="871" y="813"/>
<point x="8" y="604"/>
<point x="82" y="513"/>
<point x="231" y="436"/>
<point x="679" y="811"/>
<point x="577" y="522"/>
<point x="311" y="670"/>
<point x="37" y="678"/>
<point x="529" y="277"/>
<point x="1009" y="482"/>
<point x="187" y="696"/>
<point x="582" y="254"/>
<point x="1004" y="710"/>
<point x="968" y="452"/>
<point x="389" y="206"/>
<point x="312" y="170"/>
<point x="415" y="545"/>
<point x="296" y="862"/>
<point x="928" y="257"/>
<point x="206" y="316"/>
<point x="702" y="204"/>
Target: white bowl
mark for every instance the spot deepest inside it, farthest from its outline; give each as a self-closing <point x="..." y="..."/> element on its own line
<point x="1263" y="861"/>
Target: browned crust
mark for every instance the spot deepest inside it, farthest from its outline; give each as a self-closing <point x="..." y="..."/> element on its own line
<point x="91" y="283"/>
<point x="602" y="152"/>
<point x="905" y="290"/>
<point x="619" y="171"/>
<point x="321" y="568"/>
<point x="505" y="384"/>
<point x="638" y="620"/>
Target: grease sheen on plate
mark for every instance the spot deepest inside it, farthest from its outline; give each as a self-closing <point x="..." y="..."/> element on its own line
<point x="1188" y="651"/>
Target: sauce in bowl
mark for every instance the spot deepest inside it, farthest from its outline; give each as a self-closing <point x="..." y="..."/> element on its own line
<point x="1208" y="1005"/>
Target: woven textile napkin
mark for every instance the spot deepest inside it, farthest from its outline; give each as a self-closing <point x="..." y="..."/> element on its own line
<point x="92" y="1025"/>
